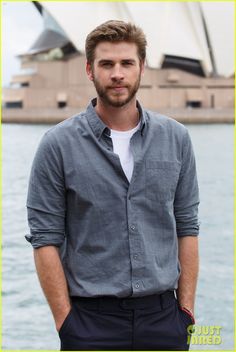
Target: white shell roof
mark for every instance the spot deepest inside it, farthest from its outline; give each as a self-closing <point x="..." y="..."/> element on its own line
<point x="172" y="28"/>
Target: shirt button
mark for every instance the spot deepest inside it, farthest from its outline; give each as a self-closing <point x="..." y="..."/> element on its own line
<point x="135" y="256"/>
<point x="137" y="285"/>
<point x="132" y="227"/>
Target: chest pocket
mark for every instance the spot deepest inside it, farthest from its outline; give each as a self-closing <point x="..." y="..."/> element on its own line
<point x="161" y="180"/>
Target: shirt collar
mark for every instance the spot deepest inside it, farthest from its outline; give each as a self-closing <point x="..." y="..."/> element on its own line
<point x="99" y="127"/>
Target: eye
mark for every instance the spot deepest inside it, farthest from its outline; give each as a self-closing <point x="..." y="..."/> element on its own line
<point x="107" y="64"/>
<point x="127" y="63"/>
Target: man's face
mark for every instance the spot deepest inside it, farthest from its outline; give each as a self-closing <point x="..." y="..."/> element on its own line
<point x="116" y="72"/>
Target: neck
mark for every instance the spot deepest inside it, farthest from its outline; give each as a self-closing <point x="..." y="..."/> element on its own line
<point x="118" y="118"/>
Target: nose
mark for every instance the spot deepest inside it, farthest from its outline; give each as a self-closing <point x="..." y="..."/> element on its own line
<point x="117" y="73"/>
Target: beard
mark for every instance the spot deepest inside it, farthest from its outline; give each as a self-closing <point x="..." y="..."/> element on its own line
<point x="116" y="99"/>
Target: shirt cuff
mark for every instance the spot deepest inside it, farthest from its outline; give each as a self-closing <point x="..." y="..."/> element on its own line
<point x="45" y="239"/>
<point x="194" y="231"/>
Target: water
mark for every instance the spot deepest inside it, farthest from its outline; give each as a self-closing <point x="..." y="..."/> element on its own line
<point x="27" y="321"/>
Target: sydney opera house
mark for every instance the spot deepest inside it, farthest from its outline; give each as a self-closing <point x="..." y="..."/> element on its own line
<point x="189" y="66"/>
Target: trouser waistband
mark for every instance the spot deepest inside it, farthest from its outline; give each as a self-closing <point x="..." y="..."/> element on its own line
<point x="107" y="302"/>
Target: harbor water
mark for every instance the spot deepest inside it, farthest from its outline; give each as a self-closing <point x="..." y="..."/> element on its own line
<point x="27" y="321"/>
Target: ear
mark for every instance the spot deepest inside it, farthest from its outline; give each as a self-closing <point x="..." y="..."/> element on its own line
<point x="142" y="66"/>
<point x="89" y="71"/>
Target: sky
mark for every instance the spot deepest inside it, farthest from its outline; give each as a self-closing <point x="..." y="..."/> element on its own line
<point x="21" y="25"/>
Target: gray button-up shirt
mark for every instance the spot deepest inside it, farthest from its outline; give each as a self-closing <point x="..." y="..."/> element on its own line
<point x="118" y="238"/>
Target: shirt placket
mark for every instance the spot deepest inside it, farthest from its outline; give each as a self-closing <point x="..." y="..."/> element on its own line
<point x="135" y="242"/>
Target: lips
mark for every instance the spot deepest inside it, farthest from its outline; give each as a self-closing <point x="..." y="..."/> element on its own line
<point x="118" y="87"/>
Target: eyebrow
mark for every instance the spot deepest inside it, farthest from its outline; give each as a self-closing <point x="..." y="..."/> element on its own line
<point x="105" y="61"/>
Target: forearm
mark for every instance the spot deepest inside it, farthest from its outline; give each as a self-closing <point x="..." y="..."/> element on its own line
<point x="53" y="282"/>
<point x="189" y="262"/>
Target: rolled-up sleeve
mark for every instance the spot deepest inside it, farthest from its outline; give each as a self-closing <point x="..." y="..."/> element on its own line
<point x="187" y="193"/>
<point x="46" y="196"/>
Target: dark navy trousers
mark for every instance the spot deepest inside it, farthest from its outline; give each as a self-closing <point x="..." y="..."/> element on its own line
<point x="147" y="323"/>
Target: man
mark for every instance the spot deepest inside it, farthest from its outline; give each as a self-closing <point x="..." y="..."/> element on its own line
<point x="116" y="187"/>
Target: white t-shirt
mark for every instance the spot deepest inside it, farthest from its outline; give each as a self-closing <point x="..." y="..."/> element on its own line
<point x="121" y="146"/>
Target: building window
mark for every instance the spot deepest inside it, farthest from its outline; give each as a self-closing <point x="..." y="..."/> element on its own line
<point x="212" y="101"/>
<point x="61" y="100"/>
<point x="185" y="64"/>
<point x="14" y="105"/>
<point x="194" y="104"/>
<point x="194" y="98"/>
<point x="61" y="104"/>
<point x="25" y="84"/>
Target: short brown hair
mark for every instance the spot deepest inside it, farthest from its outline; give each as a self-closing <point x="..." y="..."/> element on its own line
<point x="115" y="31"/>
